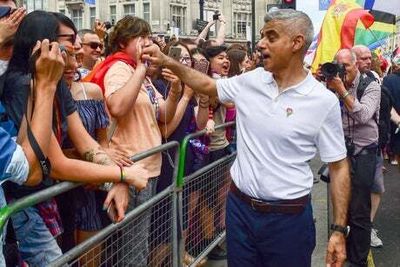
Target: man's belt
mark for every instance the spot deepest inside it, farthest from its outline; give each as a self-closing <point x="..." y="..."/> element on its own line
<point x="292" y="206"/>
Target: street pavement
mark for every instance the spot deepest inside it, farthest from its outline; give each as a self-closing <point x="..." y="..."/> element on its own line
<point x="387" y="221"/>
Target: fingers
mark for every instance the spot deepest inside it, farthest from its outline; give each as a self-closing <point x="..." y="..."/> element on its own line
<point x="120" y="211"/>
<point x="108" y="200"/>
<point x="17" y="16"/>
<point x="36" y="47"/>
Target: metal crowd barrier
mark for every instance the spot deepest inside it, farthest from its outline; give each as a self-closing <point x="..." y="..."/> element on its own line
<point x="177" y="227"/>
<point x="126" y="244"/>
<point x="202" y="202"/>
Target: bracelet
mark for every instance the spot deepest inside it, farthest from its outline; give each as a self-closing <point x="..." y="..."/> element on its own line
<point x="345" y="94"/>
<point x="122" y="175"/>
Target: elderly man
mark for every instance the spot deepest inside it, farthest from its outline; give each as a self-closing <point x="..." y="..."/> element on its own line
<point x="360" y="96"/>
<point x="268" y="215"/>
<point x="92" y="49"/>
<point x="363" y="55"/>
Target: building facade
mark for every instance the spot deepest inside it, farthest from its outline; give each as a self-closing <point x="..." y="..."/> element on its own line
<point x="165" y="16"/>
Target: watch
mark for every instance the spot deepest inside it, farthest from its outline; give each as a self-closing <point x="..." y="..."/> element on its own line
<point x="342" y="229"/>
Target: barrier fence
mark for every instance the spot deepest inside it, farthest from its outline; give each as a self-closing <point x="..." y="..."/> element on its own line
<point x="187" y="217"/>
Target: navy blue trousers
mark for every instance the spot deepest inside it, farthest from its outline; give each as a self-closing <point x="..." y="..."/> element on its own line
<point x="268" y="239"/>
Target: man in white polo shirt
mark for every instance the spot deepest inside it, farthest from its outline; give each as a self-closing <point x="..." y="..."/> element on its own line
<point x="283" y="117"/>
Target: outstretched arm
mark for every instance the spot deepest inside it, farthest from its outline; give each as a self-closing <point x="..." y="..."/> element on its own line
<point x="340" y="192"/>
<point x="196" y="80"/>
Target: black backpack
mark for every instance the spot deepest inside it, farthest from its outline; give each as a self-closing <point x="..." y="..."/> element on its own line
<point x="384" y="111"/>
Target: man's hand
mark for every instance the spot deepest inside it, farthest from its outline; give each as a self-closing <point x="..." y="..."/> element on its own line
<point x="336" y="251"/>
<point x="336" y="84"/>
<point x="153" y="54"/>
<point x="100" y="29"/>
<point x="49" y="65"/>
<point x="119" y="194"/>
<point x="9" y="25"/>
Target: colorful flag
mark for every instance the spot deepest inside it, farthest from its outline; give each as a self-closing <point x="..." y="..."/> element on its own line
<point x="339" y="29"/>
<point x="384" y="26"/>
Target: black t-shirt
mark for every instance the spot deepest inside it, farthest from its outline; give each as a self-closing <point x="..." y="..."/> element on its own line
<point x="14" y="98"/>
<point x="392" y="82"/>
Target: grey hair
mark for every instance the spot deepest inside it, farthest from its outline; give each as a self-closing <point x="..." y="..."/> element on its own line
<point x="358" y="48"/>
<point x="344" y="50"/>
<point x="299" y="22"/>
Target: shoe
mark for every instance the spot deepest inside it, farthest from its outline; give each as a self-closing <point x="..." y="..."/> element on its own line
<point x="376" y="242"/>
<point x="217" y="254"/>
<point x="394" y="162"/>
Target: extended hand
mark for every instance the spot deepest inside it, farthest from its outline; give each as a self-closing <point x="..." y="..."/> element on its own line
<point x="119" y="157"/>
<point x="336" y="251"/>
<point x="153" y="54"/>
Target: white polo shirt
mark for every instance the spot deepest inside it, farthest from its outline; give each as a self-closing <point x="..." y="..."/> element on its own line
<point x="278" y="133"/>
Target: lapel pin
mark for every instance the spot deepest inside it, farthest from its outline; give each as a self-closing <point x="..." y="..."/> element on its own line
<point x="289" y="111"/>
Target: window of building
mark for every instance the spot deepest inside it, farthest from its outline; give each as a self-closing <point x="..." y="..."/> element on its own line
<point x="113" y="14"/>
<point x="62" y="11"/>
<point x="129" y="10"/>
<point x="146" y="12"/>
<point x="76" y="16"/>
<point x="92" y="11"/>
<point x="178" y="18"/>
<point x="241" y="21"/>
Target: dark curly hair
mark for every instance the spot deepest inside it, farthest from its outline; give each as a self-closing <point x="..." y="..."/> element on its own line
<point x="126" y="29"/>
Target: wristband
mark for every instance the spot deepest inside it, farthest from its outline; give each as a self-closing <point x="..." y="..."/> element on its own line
<point x="345" y="94"/>
<point x="122" y="175"/>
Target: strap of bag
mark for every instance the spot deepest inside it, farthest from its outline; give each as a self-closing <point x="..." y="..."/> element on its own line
<point x="43" y="160"/>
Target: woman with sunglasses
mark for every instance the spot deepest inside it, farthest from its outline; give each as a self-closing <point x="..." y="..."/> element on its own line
<point x="136" y="110"/>
<point x="35" y="235"/>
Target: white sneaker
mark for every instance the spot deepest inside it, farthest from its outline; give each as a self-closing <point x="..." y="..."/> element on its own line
<point x="376" y="242"/>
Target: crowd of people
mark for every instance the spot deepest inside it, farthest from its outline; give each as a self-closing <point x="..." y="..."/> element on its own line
<point x="76" y="105"/>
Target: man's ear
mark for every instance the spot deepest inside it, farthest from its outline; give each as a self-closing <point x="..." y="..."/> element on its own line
<point x="298" y="43"/>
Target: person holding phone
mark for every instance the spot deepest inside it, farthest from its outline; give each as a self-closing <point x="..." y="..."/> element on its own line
<point x="191" y="115"/>
<point x="136" y="110"/>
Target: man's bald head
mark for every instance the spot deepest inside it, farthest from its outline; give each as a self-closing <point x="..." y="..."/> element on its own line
<point x="364" y="58"/>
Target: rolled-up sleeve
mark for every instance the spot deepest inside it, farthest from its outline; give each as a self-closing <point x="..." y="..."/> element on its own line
<point x="18" y="167"/>
<point x="368" y="105"/>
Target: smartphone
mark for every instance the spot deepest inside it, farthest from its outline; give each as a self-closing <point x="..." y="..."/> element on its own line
<point x="112" y="212"/>
<point x="175" y="52"/>
<point x="216" y="16"/>
<point x="201" y="65"/>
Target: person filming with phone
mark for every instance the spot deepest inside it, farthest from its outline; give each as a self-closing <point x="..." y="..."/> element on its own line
<point x="360" y="98"/>
<point x="283" y="117"/>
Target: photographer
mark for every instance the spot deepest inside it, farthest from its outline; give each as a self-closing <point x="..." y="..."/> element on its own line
<point x="361" y="133"/>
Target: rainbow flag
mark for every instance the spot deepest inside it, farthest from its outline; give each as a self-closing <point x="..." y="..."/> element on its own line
<point x="339" y="29"/>
<point x="384" y="26"/>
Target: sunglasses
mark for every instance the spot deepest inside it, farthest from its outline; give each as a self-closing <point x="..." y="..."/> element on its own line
<point x="70" y="37"/>
<point x="94" y="45"/>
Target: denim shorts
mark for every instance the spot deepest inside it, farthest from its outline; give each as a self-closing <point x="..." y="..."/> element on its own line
<point x="36" y="244"/>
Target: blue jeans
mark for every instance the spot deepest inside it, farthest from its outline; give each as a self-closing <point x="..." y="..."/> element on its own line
<point x="268" y="239"/>
<point x="36" y="244"/>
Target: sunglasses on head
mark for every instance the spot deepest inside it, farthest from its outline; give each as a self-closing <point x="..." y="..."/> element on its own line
<point x="94" y="45"/>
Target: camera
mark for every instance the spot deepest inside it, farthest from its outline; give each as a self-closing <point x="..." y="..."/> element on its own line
<point x="216" y="15"/>
<point x="329" y="70"/>
<point x="108" y="25"/>
<point x="349" y="146"/>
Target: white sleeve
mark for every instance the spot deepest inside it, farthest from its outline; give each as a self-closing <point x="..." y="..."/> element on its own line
<point x="229" y="88"/>
<point x="330" y="139"/>
<point x="18" y="167"/>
